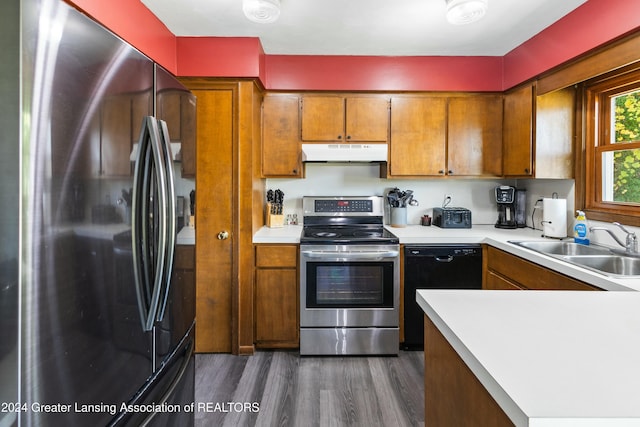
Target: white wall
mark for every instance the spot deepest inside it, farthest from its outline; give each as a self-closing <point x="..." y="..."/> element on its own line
<point x="326" y="179"/>
<point x="545" y="188"/>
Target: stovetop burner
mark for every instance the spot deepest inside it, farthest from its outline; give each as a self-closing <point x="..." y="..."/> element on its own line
<point x="346" y="234"/>
<point x="345" y="220"/>
<point x="325" y="234"/>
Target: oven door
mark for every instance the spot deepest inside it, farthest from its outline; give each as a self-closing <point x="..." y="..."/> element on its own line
<point x="349" y="286"/>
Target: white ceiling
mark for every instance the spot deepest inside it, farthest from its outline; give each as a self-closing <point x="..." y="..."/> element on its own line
<point x="367" y="27"/>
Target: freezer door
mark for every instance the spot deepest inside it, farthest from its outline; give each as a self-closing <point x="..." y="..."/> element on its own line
<point x="170" y="391"/>
<point x="82" y="343"/>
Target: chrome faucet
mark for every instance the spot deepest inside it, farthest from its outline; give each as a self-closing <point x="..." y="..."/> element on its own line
<point x="631" y="244"/>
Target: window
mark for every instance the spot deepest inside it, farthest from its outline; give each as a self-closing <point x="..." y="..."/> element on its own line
<point x="613" y="148"/>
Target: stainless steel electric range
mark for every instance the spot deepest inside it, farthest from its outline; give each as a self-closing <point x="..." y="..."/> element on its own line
<point x="349" y="278"/>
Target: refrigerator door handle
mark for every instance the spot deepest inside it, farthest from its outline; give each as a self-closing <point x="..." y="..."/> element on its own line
<point x="170" y="211"/>
<point x="149" y="233"/>
<point x="160" y="226"/>
<point x="139" y="223"/>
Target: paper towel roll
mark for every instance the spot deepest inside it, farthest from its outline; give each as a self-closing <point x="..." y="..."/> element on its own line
<point x="554" y="217"/>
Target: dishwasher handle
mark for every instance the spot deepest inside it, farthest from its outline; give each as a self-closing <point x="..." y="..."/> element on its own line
<point x="447" y="258"/>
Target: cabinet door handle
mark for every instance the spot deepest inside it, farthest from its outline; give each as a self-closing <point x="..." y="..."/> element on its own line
<point x="223" y="235"/>
<point x="441" y="172"/>
<point x="450" y="172"/>
<point x="348" y="136"/>
<point x="339" y="136"/>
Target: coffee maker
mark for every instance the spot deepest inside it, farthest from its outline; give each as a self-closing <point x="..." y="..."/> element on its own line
<point x="511" y="207"/>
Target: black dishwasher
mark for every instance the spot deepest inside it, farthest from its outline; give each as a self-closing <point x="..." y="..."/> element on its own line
<point x="435" y="267"/>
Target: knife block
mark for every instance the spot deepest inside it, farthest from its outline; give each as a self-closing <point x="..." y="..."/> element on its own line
<point x="272" y="220"/>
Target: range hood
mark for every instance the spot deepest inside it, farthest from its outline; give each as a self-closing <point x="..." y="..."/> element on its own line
<point x="344" y="152"/>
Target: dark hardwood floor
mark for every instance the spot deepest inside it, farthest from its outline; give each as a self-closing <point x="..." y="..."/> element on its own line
<point x="281" y="388"/>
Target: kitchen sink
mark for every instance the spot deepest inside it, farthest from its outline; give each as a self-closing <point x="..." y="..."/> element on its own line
<point x="617" y="265"/>
<point x="562" y="248"/>
<point x="596" y="258"/>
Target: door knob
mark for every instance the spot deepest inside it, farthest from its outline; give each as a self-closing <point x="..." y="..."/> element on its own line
<point x="223" y="235"/>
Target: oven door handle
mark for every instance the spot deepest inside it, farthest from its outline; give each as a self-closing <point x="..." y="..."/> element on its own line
<point x="367" y="255"/>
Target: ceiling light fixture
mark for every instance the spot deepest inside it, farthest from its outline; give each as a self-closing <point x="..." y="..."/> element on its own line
<point x="461" y="12"/>
<point x="261" y="11"/>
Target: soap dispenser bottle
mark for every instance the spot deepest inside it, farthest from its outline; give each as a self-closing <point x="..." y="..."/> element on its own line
<point x="581" y="229"/>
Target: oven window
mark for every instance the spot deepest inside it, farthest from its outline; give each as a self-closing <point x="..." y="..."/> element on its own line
<point x="349" y="284"/>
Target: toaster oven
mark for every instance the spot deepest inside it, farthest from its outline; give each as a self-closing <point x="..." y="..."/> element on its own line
<point x="452" y="217"/>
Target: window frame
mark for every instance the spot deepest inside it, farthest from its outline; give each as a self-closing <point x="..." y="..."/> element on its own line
<point x="597" y="95"/>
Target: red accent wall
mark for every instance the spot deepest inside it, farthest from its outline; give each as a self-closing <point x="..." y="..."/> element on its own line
<point x="591" y="25"/>
<point x="383" y="73"/>
<point x="132" y="21"/>
<point x="220" y="57"/>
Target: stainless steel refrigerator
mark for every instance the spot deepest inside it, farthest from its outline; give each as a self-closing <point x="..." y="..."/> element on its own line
<point x="93" y="330"/>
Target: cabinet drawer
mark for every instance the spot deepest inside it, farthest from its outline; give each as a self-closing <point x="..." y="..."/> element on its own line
<point x="276" y="256"/>
<point x="529" y="275"/>
<point x="496" y="282"/>
<point x="185" y="257"/>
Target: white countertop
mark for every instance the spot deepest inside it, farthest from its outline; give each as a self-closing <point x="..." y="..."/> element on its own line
<point x="548" y="358"/>
<point x="286" y="234"/>
<point x="99" y="231"/>
<point x="186" y="236"/>
<point x="499" y="238"/>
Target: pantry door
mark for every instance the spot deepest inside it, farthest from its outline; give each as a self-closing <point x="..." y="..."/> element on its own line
<point x="214" y="220"/>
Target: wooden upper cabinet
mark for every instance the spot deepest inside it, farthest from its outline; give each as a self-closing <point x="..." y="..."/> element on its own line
<point x="367" y="119"/>
<point x="116" y="136"/>
<point x="474" y="141"/>
<point x="555" y="134"/>
<point x="518" y="133"/>
<point x="120" y="123"/>
<point x="322" y="118"/>
<point x="418" y="136"/>
<point x="539" y="133"/>
<point x="178" y="109"/>
<point x="188" y="134"/>
<point x="168" y="109"/>
<point x="281" y="151"/>
<point x="345" y="119"/>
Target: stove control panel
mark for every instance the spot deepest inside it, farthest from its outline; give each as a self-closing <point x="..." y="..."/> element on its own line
<point x="343" y="205"/>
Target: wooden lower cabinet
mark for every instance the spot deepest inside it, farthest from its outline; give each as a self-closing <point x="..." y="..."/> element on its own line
<point x="184" y="275"/>
<point x="276" y="296"/>
<point x="495" y="281"/>
<point x="453" y="395"/>
<point x="506" y="271"/>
